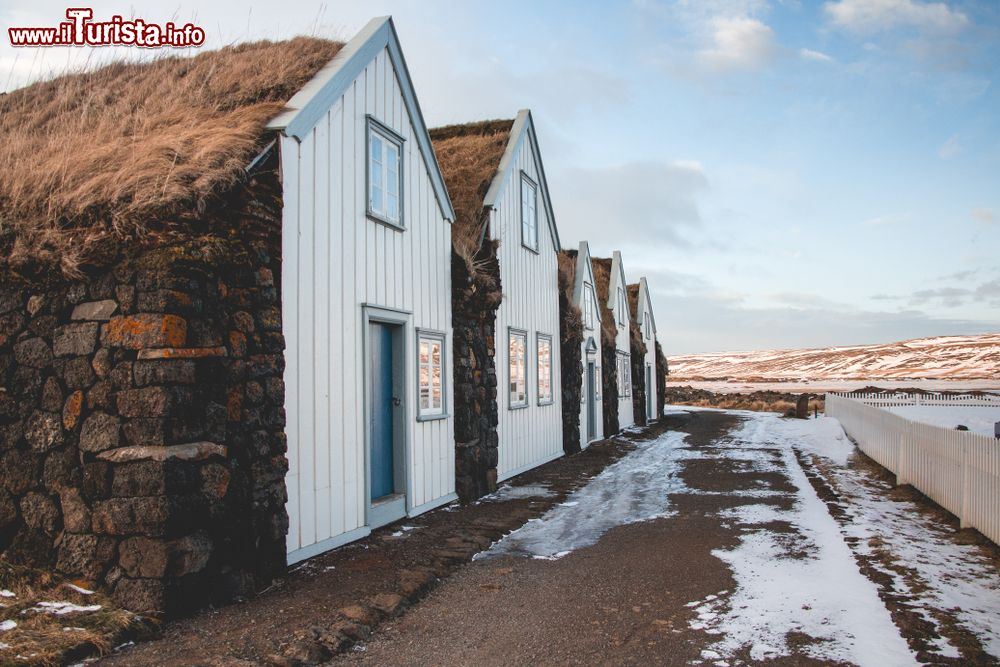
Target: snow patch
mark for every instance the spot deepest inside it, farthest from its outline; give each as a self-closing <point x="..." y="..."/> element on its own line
<point x="7" y="625"/>
<point x="61" y="608"/>
<point x="508" y="492"/>
<point x="633" y="489"/>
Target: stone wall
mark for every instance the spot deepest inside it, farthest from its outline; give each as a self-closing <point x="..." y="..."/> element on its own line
<point x="637" y="359"/>
<point x="661" y="380"/>
<point x="476" y="295"/>
<point x="571" y="358"/>
<point x="142" y="443"/>
<point x="609" y="382"/>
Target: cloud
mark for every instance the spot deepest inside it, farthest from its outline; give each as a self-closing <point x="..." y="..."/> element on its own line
<point x="703" y="318"/>
<point x="818" y="56"/>
<point x="870" y="16"/>
<point x="738" y="42"/>
<point x="987" y="216"/>
<point x="987" y="293"/>
<point x="638" y="203"/>
<point x="950" y="148"/>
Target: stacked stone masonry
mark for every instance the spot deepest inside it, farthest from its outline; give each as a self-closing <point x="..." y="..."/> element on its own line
<point x="142" y="443"/>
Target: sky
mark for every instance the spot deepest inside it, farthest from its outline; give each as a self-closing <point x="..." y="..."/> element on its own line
<point x="785" y="173"/>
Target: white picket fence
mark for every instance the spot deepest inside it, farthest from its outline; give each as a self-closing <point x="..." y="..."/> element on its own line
<point x="958" y="470"/>
<point x="886" y="400"/>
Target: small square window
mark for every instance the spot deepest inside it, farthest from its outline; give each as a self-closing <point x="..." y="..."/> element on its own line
<point x="588" y="306"/>
<point x="385" y="174"/>
<point x="517" y="369"/>
<point x="544" y="369"/>
<point x="430" y="374"/>
<point x="529" y="213"/>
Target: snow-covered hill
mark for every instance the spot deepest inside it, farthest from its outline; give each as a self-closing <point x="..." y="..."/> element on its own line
<point x="942" y="357"/>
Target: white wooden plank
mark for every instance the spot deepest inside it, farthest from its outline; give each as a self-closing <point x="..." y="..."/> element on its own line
<point x="306" y="375"/>
<point x="289" y="152"/>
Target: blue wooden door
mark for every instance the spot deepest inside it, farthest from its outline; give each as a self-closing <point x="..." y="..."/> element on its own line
<point x="381" y="428"/>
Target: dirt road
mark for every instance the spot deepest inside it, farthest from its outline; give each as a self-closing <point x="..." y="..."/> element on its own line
<point x="745" y="564"/>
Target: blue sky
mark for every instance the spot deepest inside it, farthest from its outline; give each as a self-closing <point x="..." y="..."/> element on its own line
<point x="785" y="173"/>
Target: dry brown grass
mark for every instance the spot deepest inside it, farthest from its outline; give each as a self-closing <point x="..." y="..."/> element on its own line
<point x="469" y="155"/>
<point x="50" y="639"/>
<point x="567" y="272"/>
<point x="602" y="282"/>
<point x="92" y="159"/>
<point x="632" y="291"/>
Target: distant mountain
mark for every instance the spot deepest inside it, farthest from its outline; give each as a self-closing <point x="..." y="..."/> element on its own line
<point x="940" y="358"/>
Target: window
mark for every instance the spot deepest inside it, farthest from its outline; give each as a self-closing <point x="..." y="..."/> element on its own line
<point x="645" y="324"/>
<point x="517" y="369"/>
<point x="588" y="305"/>
<point x="544" y="369"/>
<point x="622" y="318"/>
<point x="529" y="213"/>
<point x="385" y="176"/>
<point x="624" y="375"/>
<point x="430" y="374"/>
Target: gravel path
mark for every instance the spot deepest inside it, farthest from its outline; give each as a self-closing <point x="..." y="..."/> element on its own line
<point x="723" y="542"/>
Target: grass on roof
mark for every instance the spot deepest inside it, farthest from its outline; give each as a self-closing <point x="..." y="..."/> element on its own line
<point x="469" y="155"/>
<point x="602" y="281"/>
<point x="94" y="159"/>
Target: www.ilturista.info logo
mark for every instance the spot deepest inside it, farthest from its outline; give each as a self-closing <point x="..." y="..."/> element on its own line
<point x="80" y="30"/>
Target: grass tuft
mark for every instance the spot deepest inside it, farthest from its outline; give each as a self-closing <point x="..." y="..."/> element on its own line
<point x="44" y="638"/>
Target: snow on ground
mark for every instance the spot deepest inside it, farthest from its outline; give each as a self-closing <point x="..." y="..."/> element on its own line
<point x="805" y="581"/>
<point x="977" y="419"/>
<point x="635" y="488"/>
<point x="508" y="492"/>
<point x="808" y="583"/>
<point x="822" y="386"/>
<point x="957" y="576"/>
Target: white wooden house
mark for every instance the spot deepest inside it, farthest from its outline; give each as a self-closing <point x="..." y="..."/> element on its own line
<point x="521" y="219"/>
<point x="366" y="298"/>
<point x="504" y="162"/>
<point x="585" y="298"/>
<point x="642" y="311"/>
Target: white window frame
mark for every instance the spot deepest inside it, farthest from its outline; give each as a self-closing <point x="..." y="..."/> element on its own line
<point x="432" y="412"/>
<point x="529" y="222"/>
<point x="521" y="334"/>
<point x="387" y="137"/>
<point x="624" y="374"/>
<point x="588" y="306"/>
<point x="543" y="399"/>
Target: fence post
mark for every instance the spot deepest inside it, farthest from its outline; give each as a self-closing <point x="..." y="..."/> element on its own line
<point x="904" y="436"/>
<point x="963" y="516"/>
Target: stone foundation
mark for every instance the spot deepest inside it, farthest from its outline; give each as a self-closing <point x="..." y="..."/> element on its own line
<point x="142" y="443"/>
<point x="571" y="358"/>
<point x="661" y="380"/>
<point x="637" y="359"/>
<point x="609" y="382"/>
<point x="476" y="296"/>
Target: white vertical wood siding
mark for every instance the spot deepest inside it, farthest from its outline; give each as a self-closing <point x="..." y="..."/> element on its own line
<point x="334" y="260"/>
<point x="533" y="435"/>
<point x="626" y="416"/>
<point x="650" y="355"/>
<point x="595" y="333"/>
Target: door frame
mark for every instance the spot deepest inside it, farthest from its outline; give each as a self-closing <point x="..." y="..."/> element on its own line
<point x="395" y="506"/>
<point x="591" y="385"/>
<point x="650" y="404"/>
